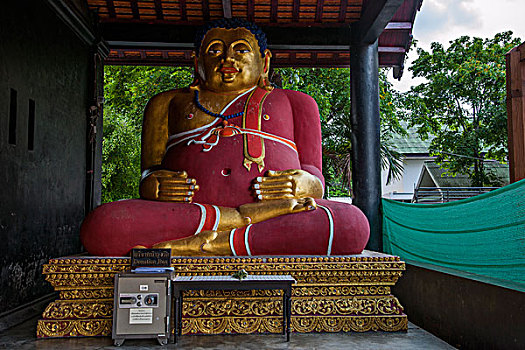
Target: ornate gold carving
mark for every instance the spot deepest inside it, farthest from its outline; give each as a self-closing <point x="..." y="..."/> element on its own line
<point x="73" y="328"/>
<point x="231" y="293"/>
<point x="302" y="291"/>
<point x="326" y="306"/>
<point x="232" y="307"/>
<point x="333" y="294"/>
<point x="298" y="324"/>
<point x="357" y="306"/>
<point x="79" y="309"/>
<point x="340" y="290"/>
<point x="103" y="293"/>
<point x="232" y="325"/>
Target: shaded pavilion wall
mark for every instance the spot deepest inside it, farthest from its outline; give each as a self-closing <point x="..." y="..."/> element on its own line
<point x="42" y="201"/>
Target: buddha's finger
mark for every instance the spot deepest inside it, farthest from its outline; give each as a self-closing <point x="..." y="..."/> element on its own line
<point x="175" y="193"/>
<point x="170" y="180"/>
<point x="169" y="198"/>
<point x="182" y="174"/>
<point x="178" y="186"/>
<point x="171" y="174"/>
<point x="269" y="185"/>
<point x="179" y="174"/>
<point x="274" y="191"/>
<point x="263" y="197"/>
<point x="282" y="178"/>
<point x="289" y="172"/>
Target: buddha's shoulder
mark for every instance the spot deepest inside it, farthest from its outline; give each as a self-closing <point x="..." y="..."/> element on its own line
<point x="164" y="99"/>
<point x="294" y="97"/>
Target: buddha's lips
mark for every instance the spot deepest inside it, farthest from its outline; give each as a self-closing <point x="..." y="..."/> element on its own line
<point x="229" y="70"/>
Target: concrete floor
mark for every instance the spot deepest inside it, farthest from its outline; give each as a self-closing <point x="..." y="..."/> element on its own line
<point x="23" y="337"/>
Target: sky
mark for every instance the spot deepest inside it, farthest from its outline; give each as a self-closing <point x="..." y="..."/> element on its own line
<point x="446" y="20"/>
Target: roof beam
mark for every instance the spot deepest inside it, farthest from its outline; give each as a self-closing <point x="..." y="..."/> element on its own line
<point x="75" y="21"/>
<point x="342" y="11"/>
<point x="227" y="8"/>
<point x="151" y="32"/>
<point x="135" y="9"/>
<point x="183" y="14"/>
<point x="158" y="9"/>
<point x="374" y="19"/>
<point x="319" y="11"/>
<point x="295" y="11"/>
<point x="206" y="10"/>
<point x="391" y="49"/>
<point x="398" y="26"/>
<point x="274" y="7"/>
<point x="251" y="10"/>
<point x="111" y="8"/>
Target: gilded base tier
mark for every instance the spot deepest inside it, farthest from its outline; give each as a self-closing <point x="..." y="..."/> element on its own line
<point x="332" y="294"/>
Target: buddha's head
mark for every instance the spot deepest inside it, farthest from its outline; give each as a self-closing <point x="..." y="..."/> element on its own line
<point x="231" y="55"/>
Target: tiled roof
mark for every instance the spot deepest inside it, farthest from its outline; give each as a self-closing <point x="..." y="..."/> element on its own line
<point x="438" y="174"/>
<point x="411" y="143"/>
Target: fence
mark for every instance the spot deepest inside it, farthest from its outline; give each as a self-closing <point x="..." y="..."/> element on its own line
<point x="447" y="194"/>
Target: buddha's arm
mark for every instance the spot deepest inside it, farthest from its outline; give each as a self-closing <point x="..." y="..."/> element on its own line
<point x="157" y="183"/>
<point x="307" y="181"/>
<point x="155" y="130"/>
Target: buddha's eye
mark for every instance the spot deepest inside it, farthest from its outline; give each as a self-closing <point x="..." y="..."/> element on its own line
<point x="241" y="48"/>
<point x="215" y="49"/>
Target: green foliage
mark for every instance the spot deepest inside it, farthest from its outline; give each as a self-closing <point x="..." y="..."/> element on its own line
<point x="127" y="89"/>
<point x="462" y="103"/>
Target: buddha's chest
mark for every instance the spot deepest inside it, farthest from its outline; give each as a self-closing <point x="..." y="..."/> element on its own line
<point x="274" y="115"/>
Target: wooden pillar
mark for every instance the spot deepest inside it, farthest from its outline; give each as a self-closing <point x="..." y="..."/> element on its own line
<point x="366" y="159"/>
<point x="94" y="129"/>
<point x="516" y="112"/>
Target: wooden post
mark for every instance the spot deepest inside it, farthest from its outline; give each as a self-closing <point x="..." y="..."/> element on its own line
<point x="516" y="111"/>
<point x="366" y="157"/>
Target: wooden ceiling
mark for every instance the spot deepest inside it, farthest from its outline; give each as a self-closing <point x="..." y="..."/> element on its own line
<point x="303" y="12"/>
<point x="301" y="33"/>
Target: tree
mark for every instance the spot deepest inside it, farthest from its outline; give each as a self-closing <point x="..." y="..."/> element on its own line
<point x="127" y="89"/>
<point x="462" y="103"/>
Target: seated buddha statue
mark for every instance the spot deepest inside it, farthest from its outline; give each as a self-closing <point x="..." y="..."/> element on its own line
<point x="230" y="166"/>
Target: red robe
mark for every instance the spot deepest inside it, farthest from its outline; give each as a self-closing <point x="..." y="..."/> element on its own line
<point x="289" y="118"/>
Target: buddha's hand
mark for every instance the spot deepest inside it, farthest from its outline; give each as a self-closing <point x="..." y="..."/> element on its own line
<point x="292" y="183"/>
<point x="168" y="186"/>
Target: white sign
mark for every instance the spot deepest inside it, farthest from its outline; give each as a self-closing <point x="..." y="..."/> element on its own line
<point x="141" y="316"/>
<point x="143" y="287"/>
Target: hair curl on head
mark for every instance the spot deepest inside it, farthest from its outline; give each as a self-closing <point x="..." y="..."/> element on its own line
<point x="232" y="23"/>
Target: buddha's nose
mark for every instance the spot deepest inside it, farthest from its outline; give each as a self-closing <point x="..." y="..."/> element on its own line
<point x="229" y="55"/>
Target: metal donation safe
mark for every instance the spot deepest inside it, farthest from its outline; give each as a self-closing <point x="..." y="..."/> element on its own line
<point x="142" y="307"/>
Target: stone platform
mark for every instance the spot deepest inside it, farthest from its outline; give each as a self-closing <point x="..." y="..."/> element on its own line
<point x="332" y="294"/>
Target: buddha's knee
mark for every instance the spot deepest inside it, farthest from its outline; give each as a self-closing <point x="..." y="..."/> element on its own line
<point x="350" y="226"/>
<point x="97" y="232"/>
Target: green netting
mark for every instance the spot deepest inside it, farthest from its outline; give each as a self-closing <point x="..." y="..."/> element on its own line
<point x="484" y="235"/>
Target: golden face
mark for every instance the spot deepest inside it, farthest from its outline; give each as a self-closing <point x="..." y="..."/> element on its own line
<point x="230" y="60"/>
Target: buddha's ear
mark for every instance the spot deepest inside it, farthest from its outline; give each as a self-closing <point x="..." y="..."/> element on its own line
<point x="267" y="56"/>
<point x="264" y="82"/>
<point x="196" y="75"/>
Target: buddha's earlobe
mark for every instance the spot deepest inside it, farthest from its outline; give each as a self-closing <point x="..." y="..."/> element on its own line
<point x="267" y="56"/>
<point x="264" y="82"/>
<point x="196" y="75"/>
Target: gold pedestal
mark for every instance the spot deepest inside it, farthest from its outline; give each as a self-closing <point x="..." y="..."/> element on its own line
<point x="332" y="294"/>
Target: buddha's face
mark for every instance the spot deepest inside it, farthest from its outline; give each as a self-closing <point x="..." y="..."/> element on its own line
<point x="230" y="60"/>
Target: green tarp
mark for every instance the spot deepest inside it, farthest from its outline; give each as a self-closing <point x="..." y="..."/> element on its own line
<point x="484" y="235"/>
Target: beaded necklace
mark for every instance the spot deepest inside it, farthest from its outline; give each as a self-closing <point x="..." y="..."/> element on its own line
<point x="216" y="115"/>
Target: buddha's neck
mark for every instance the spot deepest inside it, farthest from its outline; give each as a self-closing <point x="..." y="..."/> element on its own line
<point x="226" y="93"/>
